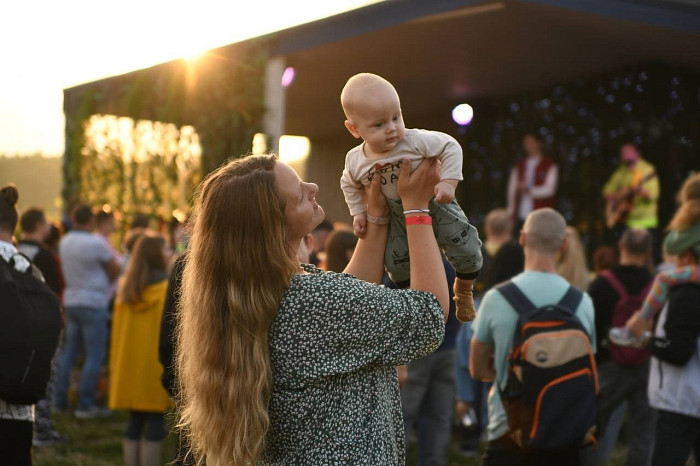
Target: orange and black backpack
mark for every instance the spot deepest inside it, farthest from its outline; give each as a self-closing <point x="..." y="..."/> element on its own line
<point x="551" y="392"/>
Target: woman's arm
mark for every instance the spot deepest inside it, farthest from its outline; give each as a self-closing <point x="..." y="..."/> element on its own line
<point x="367" y="262"/>
<point x="427" y="271"/>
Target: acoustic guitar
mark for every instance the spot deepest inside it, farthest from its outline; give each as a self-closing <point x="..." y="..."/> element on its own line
<point x="620" y="204"/>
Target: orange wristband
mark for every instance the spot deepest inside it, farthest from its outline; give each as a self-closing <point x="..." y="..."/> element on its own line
<point x="419" y="220"/>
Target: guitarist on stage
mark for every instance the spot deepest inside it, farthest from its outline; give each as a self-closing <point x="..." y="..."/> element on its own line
<point x="632" y="193"/>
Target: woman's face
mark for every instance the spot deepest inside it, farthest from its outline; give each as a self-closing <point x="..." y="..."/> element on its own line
<point x="301" y="210"/>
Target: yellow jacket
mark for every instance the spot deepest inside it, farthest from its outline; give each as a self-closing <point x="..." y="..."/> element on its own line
<point x="135" y="370"/>
<point x="643" y="214"/>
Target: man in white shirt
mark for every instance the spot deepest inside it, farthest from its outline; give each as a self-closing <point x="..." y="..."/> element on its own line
<point x="533" y="181"/>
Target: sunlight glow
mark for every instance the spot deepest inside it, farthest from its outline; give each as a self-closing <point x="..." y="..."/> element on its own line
<point x="294" y="148"/>
<point x="112" y="40"/>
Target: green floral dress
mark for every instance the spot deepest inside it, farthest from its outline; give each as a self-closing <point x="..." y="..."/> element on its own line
<point x="334" y="347"/>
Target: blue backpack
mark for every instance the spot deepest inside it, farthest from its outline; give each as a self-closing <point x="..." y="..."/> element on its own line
<point x="551" y="392"/>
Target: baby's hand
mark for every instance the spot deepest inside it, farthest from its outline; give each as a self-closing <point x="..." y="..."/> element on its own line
<point x="444" y="192"/>
<point x="359" y="224"/>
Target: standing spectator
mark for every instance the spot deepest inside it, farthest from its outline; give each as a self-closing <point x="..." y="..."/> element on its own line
<point x="320" y="235"/>
<point x="620" y="383"/>
<point x="30" y="323"/>
<point x="503" y="259"/>
<point x="674" y="382"/>
<point x="35" y="230"/>
<point x="89" y="268"/>
<point x="543" y="238"/>
<point x="51" y="243"/>
<point x="105" y="227"/>
<point x="572" y="265"/>
<point x="340" y="247"/>
<point x="428" y="393"/>
<point x="498" y="230"/>
<point x="533" y="181"/>
<point x="140" y="221"/>
<point x="134" y="366"/>
<point x="604" y="258"/>
<point x="53" y="238"/>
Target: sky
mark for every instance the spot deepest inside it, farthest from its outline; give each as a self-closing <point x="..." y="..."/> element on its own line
<point x="49" y="45"/>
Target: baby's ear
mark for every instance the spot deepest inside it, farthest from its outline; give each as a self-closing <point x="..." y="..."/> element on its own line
<point x="351" y="127"/>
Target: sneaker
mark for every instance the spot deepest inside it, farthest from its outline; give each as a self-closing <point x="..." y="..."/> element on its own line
<point x="48" y="439"/>
<point x="92" y="412"/>
<point x="621" y="336"/>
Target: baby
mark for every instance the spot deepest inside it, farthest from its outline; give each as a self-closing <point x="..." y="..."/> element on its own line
<point x="373" y="112"/>
<point x="684" y="224"/>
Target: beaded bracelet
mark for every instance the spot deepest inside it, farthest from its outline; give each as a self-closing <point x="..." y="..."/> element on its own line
<point x="378" y="220"/>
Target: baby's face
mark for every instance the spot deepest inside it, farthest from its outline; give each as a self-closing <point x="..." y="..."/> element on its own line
<point x="378" y="120"/>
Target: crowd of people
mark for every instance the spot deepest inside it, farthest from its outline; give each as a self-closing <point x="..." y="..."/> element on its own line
<point x="112" y="301"/>
<point x="263" y="324"/>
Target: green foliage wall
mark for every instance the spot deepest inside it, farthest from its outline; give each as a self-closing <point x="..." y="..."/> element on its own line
<point x="220" y="94"/>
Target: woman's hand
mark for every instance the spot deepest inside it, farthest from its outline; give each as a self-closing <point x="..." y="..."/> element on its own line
<point x="638" y="324"/>
<point x="418" y="188"/>
<point x="376" y="202"/>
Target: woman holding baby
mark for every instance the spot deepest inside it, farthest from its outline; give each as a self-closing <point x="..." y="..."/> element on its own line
<point x="281" y="363"/>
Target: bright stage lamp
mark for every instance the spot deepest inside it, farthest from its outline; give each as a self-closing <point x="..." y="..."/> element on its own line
<point x="288" y="76"/>
<point x="462" y="114"/>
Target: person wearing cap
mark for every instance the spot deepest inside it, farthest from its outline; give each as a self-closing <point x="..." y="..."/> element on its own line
<point x="674" y="381"/>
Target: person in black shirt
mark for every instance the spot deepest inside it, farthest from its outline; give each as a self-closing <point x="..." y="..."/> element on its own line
<point x="620" y="383"/>
<point x="166" y="350"/>
<point x="35" y="229"/>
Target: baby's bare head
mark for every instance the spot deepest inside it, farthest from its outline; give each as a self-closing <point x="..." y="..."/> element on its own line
<point x="366" y="90"/>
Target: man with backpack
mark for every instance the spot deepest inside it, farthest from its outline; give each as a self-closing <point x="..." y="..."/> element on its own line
<point x="534" y="336"/>
<point x="30" y="324"/>
<point x="617" y="294"/>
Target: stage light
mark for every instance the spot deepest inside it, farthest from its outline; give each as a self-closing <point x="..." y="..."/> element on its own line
<point x="288" y="76"/>
<point x="462" y="114"/>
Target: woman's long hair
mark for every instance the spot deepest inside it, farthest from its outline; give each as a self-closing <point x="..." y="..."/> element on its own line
<point x="238" y="265"/>
<point x="147" y="257"/>
<point x="572" y="265"/>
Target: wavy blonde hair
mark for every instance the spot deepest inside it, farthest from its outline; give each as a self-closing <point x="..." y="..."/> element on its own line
<point x="688" y="213"/>
<point x="572" y="264"/>
<point x="238" y="265"/>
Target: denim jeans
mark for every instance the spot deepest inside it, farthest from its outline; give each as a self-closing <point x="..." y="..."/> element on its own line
<point x="676" y="436"/>
<point x="620" y="384"/>
<point x="427" y="399"/>
<point x="86" y="328"/>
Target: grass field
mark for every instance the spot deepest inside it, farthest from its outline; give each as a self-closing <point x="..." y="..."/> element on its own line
<point x="98" y="443"/>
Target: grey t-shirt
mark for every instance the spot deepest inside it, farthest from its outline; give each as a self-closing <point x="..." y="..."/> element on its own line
<point x="83" y="260"/>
